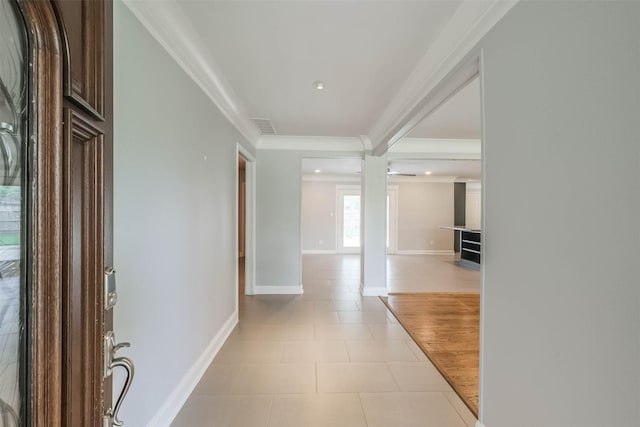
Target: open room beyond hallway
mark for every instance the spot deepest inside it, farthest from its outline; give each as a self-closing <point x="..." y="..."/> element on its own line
<point x="329" y="357"/>
<point x="430" y="273"/>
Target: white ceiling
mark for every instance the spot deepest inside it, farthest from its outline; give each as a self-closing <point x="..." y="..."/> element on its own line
<point x="458" y="118"/>
<point x="271" y="51"/>
<point x="462" y="169"/>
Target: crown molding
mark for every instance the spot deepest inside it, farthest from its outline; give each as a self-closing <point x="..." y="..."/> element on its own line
<point x="169" y="25"/>
<point x="311" y="143"/>
<point x="471" y="22"/>
<point x="429" y="148"/>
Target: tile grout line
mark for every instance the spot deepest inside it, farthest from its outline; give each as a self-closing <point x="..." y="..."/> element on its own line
<point x="406" y="343"/>
<point x="270" y="413"/>
<point x="366" y="420"/>
<point x="395" y="380"/>
<point x="454" y="408"/>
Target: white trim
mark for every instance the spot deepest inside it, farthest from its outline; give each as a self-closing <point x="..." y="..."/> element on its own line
<point x="310" y="143"/>
<point x="479" y="424"/>
<point x="341" y="191"/>
<point x="319" y="252"/>
<point x="278" y="290"/>
<point x="437" y="148"/>
<point x="470" y="23"/>
<point x="392" y="219"/>
<point x="370" y="291"/>
<point x="172" y="404"/>
<point x="170" y="26"/>
<point x="250" y="221"/>
<point x="331" y="178"/>
<point x="484" y="242"/>
<point x="425" y="252"/>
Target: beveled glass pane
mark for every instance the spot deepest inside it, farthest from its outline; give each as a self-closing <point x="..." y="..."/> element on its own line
<point x="13" y="107"/>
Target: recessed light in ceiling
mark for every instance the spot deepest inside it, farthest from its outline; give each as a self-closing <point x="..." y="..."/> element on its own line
<point x="317" y="171"/>
<point x="318" y="84"/>
<point x="427" y="173"/>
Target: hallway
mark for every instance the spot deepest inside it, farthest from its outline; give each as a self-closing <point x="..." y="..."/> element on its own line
<point x="326" y="358"/>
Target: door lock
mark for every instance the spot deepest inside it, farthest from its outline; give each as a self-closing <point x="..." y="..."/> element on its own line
<point x="110" y="294"/>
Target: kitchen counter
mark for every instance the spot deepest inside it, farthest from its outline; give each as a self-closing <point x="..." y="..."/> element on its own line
<point x="470" y="245"/>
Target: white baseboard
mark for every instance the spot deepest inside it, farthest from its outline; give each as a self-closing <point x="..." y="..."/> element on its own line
<point x="319" y="252"/>
<point x="373" y="291"/>
<point x="479" y="424"/>
<point x="278" y="290"/>
<point x="172" y="405"/>
<point x="425" y="252"/>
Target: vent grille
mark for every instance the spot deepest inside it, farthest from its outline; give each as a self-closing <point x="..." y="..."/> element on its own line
<point x="265" y="126"/>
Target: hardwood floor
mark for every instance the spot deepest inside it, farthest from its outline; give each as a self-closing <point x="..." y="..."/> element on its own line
<point x="447" y="328"/>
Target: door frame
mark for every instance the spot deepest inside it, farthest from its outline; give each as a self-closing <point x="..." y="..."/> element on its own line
<point x="346" y="190"/>
<point x="466" y="70"/>
<point x="250" y="222"/>
<point x="392" y="219"/>
<point x="44" y="214"/>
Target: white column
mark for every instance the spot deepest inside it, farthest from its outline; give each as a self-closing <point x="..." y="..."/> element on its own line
<point x="373" y="244"/>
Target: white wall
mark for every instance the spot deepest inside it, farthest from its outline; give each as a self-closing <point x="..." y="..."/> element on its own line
<point x="422" y="208"/>
<point x="174" y="217"/>
<point x="278" y="216"/>
<point x="561" y="312"/>
<point x="318" y="216"/>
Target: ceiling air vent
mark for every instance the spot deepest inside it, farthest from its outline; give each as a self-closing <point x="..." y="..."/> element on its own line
<point x="265" y="126"/>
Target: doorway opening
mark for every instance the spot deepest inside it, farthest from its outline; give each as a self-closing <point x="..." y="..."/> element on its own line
<point x="330" y="220"/>
<point x="242" y="218"/>
<point x="245" y="221"/>
<point x="434" y="278"/>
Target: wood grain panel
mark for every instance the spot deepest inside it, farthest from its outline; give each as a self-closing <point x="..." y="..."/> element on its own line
<point x="82" y="312"/>
<point x="44" y="217"/>
<point x="84" y="21"/>
<point x="446" y="326"/>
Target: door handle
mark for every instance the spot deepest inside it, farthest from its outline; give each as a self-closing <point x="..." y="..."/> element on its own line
<point x="127" y="365"/>
<point x="111" y="362"/>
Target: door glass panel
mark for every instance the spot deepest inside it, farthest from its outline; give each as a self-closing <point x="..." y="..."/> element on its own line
<point x="13" y="103"/>
<point x="351" y="222"/>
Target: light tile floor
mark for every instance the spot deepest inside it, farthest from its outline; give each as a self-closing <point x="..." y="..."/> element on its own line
<point x="328" y="358"/>
<point x="430" y="273"/>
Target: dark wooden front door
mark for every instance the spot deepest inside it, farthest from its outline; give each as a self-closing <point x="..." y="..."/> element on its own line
<point x="68" y="176"/>
<point x="87" y="206"/>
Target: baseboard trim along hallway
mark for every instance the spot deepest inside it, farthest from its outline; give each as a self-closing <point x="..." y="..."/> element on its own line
<point x="278" y="290"/>
<point x="176" y="400"/>
<point x="368" y="291"/>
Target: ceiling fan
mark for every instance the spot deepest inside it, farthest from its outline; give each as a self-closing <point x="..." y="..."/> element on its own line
<point x="396" y="173"/>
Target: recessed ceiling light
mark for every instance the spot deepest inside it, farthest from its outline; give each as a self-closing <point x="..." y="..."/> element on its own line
<point x="318" y="84"/>
<point x="317" y="171"/>
<point x="427" y="173"/>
